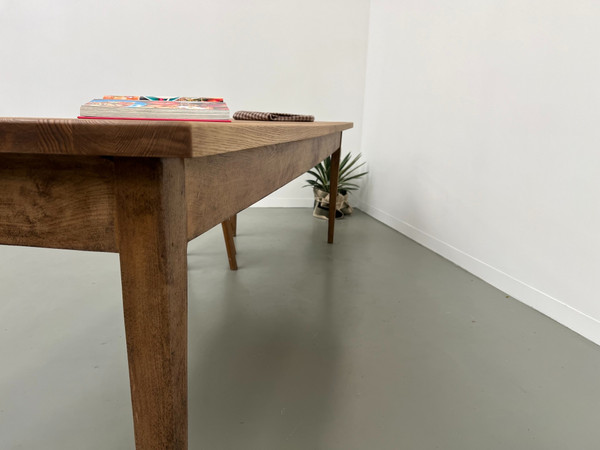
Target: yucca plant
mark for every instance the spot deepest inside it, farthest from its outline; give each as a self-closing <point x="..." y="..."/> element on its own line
<point x="346" y="178"/>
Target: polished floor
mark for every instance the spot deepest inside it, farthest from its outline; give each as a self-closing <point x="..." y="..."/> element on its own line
<point x="371" y="343"/>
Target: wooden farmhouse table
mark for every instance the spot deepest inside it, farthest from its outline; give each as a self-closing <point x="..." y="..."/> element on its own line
<point x="144" y="189"/>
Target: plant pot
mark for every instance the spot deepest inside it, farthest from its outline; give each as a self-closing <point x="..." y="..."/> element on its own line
<point x="321" y="204"/>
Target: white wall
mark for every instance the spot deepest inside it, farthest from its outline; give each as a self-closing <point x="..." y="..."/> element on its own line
<point x="481" y="128"/>
<point x="305" y="56"/>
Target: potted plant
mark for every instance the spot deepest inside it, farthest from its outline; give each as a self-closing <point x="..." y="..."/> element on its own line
<point x="346" y="182"/>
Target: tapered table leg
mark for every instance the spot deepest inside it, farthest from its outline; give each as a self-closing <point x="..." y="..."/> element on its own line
<point x="152" y="242"/>
<point x="233" y="220"/>
<point x="229" y="243"/>
<point x="333" y="190"/>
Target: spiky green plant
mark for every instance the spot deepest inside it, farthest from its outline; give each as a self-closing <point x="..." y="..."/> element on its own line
<point x="347" y="174"/>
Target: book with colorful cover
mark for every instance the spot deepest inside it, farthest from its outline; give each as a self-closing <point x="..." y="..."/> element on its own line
<point x="166" y="99"/>
<point x="206" y="109"/>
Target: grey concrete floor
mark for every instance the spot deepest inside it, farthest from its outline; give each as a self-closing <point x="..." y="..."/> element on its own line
<point x="371" y="343"/>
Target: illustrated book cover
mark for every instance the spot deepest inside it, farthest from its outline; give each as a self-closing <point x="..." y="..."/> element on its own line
<point x="157" y="108"/>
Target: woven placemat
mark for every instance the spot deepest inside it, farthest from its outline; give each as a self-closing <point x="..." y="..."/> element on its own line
<point x="271" y="116"/>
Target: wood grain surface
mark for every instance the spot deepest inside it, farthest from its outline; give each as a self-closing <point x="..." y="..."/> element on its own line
<point x="210" y="139"/>
<point x="151" y="218"/>
<point x="57" y="202"/>
<point x="150" y="138"/>
<point x="219" y="186"/>
<point x="94" y="137"/>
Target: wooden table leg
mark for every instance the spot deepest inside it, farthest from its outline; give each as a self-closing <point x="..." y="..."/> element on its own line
<point x="152" y="242"/>
<point x="233" y="220"/>
<point x="229" y="243"/>
<point x="333" y="190"/>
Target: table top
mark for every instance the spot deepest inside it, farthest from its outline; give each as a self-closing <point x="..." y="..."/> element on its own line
<point x="151" y="138"/>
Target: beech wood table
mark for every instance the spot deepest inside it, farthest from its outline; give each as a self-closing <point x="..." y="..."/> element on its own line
<point x="144" y="189"/>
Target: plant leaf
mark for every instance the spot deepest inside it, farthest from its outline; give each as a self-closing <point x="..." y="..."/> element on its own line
<point x="347" y="172"/>
<point x="345" y="161"/>
<point x="358" y="175"/>
<point x="351" y="166"/>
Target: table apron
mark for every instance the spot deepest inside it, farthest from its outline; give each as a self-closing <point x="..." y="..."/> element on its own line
<point x="68" y="202"/>
<point x="219" y="186"/>
<point x="57" y="201"/>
